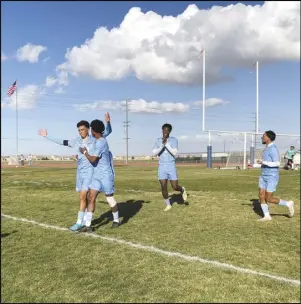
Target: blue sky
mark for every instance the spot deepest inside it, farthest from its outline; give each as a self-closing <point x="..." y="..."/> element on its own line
<point x="59" y="26"/>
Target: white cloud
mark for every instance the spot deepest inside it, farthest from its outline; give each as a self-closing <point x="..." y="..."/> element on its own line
<point x="60" y="90"/>
<point x="138" y="106"/>
<point x="50" y="82"/>
<point x="30" y="52"/>
<point x="27" y="98"/>
<point x="164" y="48"/>
<point x="46" y="59"/>
<point x="3" y="57"/>
<point x="212" y="102"/>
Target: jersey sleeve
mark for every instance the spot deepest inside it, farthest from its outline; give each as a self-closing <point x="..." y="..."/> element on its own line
<point x="172" y="146"/>
<point x="158" y="147"/>
<point x="63" y="142"/>
<point x="108" y="130"/>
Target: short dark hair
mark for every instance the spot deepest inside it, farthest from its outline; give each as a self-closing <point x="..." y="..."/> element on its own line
<point x="83" y="123"/>
<point x="167" y="126"/>
<point x="97" y="126"/>
<point x="271" y="135"/>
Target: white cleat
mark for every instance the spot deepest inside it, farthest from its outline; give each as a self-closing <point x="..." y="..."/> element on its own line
<point x="167" y="208"/>
<point x="184" y="194"/>
<point x="291" y="208"/>
<point x="265" y="218"/>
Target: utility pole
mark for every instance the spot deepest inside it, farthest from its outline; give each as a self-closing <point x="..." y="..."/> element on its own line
<point x="126" y="130"/>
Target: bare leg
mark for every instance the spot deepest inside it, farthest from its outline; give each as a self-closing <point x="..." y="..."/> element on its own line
<point x="163" y="183"/>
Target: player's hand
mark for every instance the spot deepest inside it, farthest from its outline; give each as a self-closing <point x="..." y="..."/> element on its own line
<point x="259" y="161"/>
<point x="75" y="156"/>
<point x="43" y="132"/>
<point x="107" y="117"/>
<point x="82" y="150"/>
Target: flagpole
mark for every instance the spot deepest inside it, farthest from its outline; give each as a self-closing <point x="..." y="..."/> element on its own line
<point x="17" y="139"/>
<point x="204" y="82"/>
<point x="257" y="99"/>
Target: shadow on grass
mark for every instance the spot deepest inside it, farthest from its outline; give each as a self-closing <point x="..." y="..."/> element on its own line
<point x="177" y="198"/>
<point x="257" y="209"/>
<point x="127" y="210"/>
<point x="4" y="235"/>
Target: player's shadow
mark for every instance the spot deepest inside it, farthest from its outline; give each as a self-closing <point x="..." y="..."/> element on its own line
<point x="4" y="235"/>
<point x="127" y="210"/>
<point x="177" y="198"/>
<point x="257" y="209"/>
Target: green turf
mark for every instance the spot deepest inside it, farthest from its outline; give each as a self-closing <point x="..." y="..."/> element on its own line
<point x="219" y="223"/>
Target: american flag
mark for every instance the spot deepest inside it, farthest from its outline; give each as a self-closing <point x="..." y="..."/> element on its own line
<point x="12" y="89"/>
<point x="200" y="55"/>
<point x="253" y="67"/>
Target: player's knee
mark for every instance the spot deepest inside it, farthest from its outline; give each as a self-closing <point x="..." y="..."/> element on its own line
<point x="91" y="197"/>
<point x="174" y="186"/>
<point x="111" y="201"/>
<point x="83" y="195"/>
<point x="268" y="196"/>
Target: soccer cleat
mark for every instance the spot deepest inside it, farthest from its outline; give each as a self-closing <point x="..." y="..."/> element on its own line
<point x="167" y="208"/>
<point x="184" y="194"/>
<point x="291" y="208"/>
<point x="265" y="219"/>
<point x="115" y="225"/>
<point x="76" y="227"/>
<point x="88" y="229"/>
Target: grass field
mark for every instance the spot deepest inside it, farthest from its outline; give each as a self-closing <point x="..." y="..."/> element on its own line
<point x="41" y="264"/>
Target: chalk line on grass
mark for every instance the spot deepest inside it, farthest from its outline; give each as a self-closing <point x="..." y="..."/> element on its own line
<point x="163" y="252"/>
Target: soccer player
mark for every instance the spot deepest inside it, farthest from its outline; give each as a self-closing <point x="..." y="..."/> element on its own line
<point x="166" y="148"/>
<point x="84" y="171"/>
<point x="103" y="179"/>
<point x="270" y="176"/>
<point x="290" y="157"/>
<point x="30" y="160"/>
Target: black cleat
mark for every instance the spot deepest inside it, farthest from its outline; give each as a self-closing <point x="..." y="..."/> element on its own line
<point x="88" y="229"/>
<point x="115" y="225"/>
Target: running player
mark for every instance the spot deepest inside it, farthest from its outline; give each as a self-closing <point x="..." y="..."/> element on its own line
<point x="166" y="149"/>
<point x="269" y="178"/>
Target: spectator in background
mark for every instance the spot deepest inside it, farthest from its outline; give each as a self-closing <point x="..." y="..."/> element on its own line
<point x="30" y="160"/>
<point x="22" y="159"/>
<point x="290" y="157"/>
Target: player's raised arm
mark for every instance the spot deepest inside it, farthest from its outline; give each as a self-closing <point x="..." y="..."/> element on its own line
<point x="62" y="142"/>
<point x="108" y="129"/>
<point x="172" y="146"/>
<point x="158" y="147"/>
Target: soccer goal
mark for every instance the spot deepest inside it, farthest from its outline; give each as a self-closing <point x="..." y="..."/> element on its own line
<point x="13" y="161"/>
<point x="230" y="149"/>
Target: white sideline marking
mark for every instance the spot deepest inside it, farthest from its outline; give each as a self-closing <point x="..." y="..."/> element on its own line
<point x="164" y="252"/>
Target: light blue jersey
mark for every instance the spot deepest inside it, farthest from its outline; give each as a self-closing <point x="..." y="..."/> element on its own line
<point x="271" y="161"/>
<point x="167" y="152"/>
<point x="84" y="167"/>
<point x="270" y="169"/>
<point x="167" y="162"/>
<point x="103" y="179"/>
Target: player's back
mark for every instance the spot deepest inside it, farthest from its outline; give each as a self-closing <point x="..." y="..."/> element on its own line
<point x="104" y="166"/>
<point x="166" y="158"/>
<point x="270" y="154"/>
